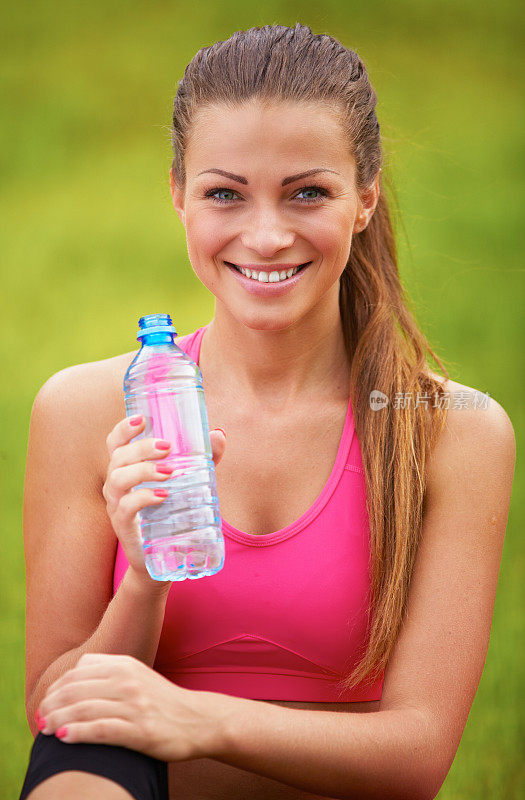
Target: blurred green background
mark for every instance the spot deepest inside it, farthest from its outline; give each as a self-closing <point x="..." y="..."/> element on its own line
<point x="90" y="243"/>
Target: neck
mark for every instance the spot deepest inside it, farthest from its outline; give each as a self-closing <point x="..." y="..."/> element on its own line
<point x="276" y="369"/>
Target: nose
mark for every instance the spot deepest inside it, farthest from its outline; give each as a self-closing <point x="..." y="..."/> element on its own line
<point x="266" y="233"/>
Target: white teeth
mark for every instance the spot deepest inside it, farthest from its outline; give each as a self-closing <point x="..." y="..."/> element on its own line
<point x="265" y="277"/>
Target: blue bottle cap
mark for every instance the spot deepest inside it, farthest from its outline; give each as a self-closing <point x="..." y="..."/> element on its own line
<point x="155" y="323"/>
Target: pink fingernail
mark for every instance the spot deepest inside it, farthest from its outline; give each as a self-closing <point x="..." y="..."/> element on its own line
<point x="161" y="492"/>
<point x="135" y="420"/>
<point x="164" y="469"/>
<point x="41" y="723"/>
<point x="162" y="444"/>
<point x="221" y="430"/>
<point x="61" y="732"/>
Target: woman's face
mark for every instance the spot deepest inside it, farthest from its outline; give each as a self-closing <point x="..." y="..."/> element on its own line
<point x="245" y="204"/>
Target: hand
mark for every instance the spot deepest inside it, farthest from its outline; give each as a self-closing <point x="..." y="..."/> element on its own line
<point x="132" y="463"/>
<point x="114" y="699"/>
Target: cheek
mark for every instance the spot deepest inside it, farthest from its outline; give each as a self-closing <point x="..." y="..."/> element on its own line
<point x="205" y="238"/>
<point x="205" y="235"/>
<point x="333" y="238"/>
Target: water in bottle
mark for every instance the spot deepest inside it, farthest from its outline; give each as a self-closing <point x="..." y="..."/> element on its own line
<point x="182" y="537"/>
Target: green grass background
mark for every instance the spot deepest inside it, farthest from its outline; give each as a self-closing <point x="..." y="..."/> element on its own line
<point x="89" y="243"/>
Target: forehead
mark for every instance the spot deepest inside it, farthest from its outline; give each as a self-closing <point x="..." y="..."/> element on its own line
<point x="225" y="136"/>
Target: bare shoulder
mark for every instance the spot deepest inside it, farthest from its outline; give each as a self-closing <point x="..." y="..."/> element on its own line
<point x="100" y="375"/>
<point x="477" y="430"/>
<point x="85" y="397"/>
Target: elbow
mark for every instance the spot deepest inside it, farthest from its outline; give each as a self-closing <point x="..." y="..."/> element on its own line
<point x="430" y="759"/>
<point x="426" y="766"/>
<point x="425" y="782"/>
<point x="427" y="789"/>
<point x="410" y="783"/>
<point x="411" y="786"/>
<point x="421" y="789"/>
<point x="434" y="779"/>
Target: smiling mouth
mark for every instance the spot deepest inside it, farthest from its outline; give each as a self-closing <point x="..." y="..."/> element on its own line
<point x="275" y="276"/>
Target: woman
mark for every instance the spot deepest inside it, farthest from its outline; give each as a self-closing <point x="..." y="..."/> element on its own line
<point x="364" y="497"/>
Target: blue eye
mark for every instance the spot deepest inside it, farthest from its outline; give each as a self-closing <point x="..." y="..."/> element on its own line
<point x="317" y="189"/>
<point x="213" y="192"/>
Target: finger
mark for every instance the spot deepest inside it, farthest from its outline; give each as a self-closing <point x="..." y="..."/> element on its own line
<point x="123" y="516"/>
<point x="87" y="672"/>
<point x="121" y="479"/>
<point x="75" y="692"/>
<point x="94" y="666"/>
<point x="104" y="658"/>
<point x="108" y="730"/>
<point x="218" y="444"/>
<point x="83" y="711"/>
<point x="125" y="521"/>
<point x="139" y="450"/>
<point x="78" y="685"/>
<point x="124" y="431"/>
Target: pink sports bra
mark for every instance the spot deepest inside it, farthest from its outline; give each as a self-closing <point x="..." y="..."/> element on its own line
<point x="286" y="616"/>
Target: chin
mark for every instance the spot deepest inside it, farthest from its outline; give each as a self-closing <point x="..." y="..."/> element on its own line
<point x="266" y="322"/>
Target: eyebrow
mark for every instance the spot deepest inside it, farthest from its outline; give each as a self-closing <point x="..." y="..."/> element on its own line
<point x="289" y="179"/>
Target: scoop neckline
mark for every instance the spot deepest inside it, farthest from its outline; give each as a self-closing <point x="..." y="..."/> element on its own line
<point x="274" y="537"/>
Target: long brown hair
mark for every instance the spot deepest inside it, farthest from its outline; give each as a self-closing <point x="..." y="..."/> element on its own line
<point x="387" y="351"/>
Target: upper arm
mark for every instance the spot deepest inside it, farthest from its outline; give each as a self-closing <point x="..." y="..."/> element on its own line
<point x="440" y="652"/>
<point x="68" y="539"/>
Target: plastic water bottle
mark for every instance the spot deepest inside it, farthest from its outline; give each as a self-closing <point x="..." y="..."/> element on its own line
<point x="182" y="537"/>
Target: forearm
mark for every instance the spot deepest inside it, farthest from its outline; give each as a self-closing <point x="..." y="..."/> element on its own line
<point x="335" y="754"/>
<point x="131" y="625"/>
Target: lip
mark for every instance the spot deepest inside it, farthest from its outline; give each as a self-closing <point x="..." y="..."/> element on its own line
<point x="268" y="289"/>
